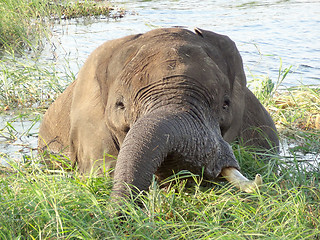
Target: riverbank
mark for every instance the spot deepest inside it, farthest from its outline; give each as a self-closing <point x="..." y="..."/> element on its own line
<point x="27" y="24"/>
<point x="37" y="202"/>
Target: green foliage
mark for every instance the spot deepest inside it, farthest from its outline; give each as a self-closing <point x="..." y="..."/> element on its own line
<point x="265" y="89"/>
<point x="26" y="23"/>
<point x="295" y="110"/>
<point x="10" y="133"/>
<point x="22" y="22"/>
<point x="84" y="9"/>
<point x="41" y="204"/>
<point x="27" y="83"/>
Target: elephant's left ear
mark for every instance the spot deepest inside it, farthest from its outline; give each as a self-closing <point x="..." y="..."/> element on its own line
<point x="227" y="57"/>
<point x="230" y="53"/>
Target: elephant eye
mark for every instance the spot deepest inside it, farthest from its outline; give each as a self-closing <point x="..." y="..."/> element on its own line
<point x="226" y="104"/>
<point x="120" y="105"/>
<point x="126" y="129"/>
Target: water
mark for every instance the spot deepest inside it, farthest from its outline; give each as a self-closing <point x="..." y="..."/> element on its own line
<point x="264" y="31"/>
<point x="18" y="135"/>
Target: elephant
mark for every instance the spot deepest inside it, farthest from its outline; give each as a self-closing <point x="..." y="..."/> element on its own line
<point x="168" y="100"/>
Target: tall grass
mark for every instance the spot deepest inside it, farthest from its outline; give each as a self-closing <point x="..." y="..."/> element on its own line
<point x="26" y="83"/>
<point x="25" y="23"/>
<point x="64" y="205"/>
<point x="295" y="110"/>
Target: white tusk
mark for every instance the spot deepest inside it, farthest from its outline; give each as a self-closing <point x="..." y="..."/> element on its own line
<point x="238" y="180"/>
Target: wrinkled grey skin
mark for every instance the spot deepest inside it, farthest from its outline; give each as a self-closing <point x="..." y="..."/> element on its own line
<point x="163" y="101"/>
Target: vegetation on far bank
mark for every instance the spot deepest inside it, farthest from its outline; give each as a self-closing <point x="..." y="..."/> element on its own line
<point x="37" y="202"/>
<point x="26" y="23"/>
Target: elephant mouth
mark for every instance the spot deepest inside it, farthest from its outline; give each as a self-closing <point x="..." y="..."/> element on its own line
<point x="176" y="162"/>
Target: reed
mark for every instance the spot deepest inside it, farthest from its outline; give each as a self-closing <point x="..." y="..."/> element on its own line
<point x="27" y="83"/>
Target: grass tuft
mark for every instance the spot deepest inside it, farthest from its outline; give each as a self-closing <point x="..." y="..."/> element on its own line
<point x="295" y="110"/>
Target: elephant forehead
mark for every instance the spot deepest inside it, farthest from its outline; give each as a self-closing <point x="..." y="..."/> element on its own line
<point x="165" y="43"/>
<point x="153" y="61"/>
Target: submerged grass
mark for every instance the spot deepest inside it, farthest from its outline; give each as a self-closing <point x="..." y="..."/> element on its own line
<point x="26" y="82"/>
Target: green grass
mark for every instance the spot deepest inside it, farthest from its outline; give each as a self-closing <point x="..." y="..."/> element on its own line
<point x="26" y="83"/>
<point x="295" y="110"/>
<point x="26" y="23"/>
<point x="36" y="204"/>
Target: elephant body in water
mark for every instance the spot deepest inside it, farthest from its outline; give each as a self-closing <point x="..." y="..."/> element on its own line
<point x="164" y="101"/>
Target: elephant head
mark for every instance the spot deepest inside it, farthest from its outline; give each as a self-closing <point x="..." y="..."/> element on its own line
<point x="163" y="101"/>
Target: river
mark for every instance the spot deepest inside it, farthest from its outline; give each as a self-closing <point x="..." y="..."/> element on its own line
<point x="265" y="32"/>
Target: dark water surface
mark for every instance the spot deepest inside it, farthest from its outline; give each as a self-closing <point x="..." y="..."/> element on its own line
<point x="264" y="31"/>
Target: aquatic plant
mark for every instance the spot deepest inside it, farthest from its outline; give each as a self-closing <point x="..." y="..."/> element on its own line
<point x="26" y="83"/>
<point x="295" y="110"/>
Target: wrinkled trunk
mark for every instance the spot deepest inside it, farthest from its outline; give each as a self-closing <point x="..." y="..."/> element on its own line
<point x="157" y="136"/>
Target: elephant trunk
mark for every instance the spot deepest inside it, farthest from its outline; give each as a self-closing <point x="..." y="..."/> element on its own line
<point x="156" y="137"/>
<point x="142" y="152"/>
